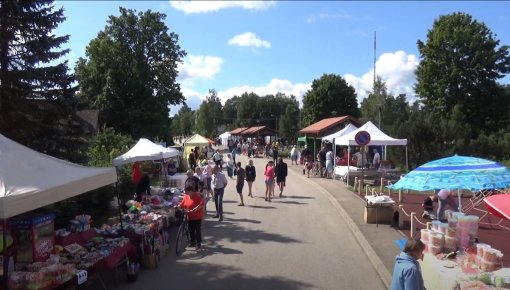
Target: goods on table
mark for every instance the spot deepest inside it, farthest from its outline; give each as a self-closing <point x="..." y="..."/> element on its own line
<point x="41" y="275"/>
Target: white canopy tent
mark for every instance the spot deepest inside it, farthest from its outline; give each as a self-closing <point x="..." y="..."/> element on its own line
<point x="145" y="150"/>
<point x="224" y="138"/>
<point x="346" y="130"/>
<point x="30" y="180"/>
<point x="377" y="138"/>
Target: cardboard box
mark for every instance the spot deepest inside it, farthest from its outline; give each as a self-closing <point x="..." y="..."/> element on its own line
<point x="382" y="214"/>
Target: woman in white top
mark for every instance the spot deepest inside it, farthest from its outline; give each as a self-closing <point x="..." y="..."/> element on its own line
<point x="218" y="183"/>
<point x="445" y="197"/>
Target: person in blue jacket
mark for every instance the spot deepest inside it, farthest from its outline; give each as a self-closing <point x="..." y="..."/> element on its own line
<point x="407" y="273"/>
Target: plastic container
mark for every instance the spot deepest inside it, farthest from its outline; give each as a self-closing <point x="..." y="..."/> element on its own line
<point x="424" y="235"/>
<point x="450" y="243"/>
<point x="451" y="232"/>
<point x="487" y="266"/>
<point x="435" y="225"/>
<point x="480" y="247"/>
<point x="452" y="223"/>
<point x="442" y="228"/>
<point x="435" y="250"/>
<point x="436" y="239"/>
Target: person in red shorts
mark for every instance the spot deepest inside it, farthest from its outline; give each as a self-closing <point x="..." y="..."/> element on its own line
<point x="193" y="204"/>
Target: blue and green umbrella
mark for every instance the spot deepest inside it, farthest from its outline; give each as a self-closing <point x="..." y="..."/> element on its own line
<point x="456" y="172"/>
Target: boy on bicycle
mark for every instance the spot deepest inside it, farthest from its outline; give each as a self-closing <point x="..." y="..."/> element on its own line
<point x="193" y="204"/>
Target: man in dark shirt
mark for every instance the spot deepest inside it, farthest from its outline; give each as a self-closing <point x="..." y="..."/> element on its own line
<point x="322" y="156"/>
<point x="428" y="207"/>
<point x="143" y="186"/>
<point x="192" y="160"/>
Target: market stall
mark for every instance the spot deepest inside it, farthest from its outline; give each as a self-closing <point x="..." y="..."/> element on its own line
<point x="31" y="180"/>
<point x="377" y="138"/>
<point x="454" y="259"/>
<point x="192" y="142"/>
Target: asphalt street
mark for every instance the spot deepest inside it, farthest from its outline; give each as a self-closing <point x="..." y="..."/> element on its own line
<point x="299" y="241"/>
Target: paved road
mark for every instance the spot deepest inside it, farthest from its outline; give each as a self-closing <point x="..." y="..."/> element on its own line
<point x="296" y="242"/>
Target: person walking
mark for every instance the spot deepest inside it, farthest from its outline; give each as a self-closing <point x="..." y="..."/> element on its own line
<point x="377" y="159"/>
<point x="275" y="152"/>
<point x="192" y="160"/>
<point x="406" y="272"/>
<point x="217" y="158"/>
<point x="240" y="182"/>
<point x="208" y="172"/>
<point x="269" y="175"/>
<point x="193" y="204"/>
<point x="294" y="153"/>
<point x="281" y="174"/>
<point x="230" y="166"/>
<point x="330" y="167"/>
<point x="234" y="153"/>
<point x="219" y="182"/>
<point x="251" y="174"/>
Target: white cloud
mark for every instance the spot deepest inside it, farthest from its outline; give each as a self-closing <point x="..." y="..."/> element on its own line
<point x="249" y="39"/>
<point x="190" y="7"/>
<point x="272" y="88"/>
<point x="326" y="16"/>
<point x="396" y="69"/>
<point x="199" y="67"/>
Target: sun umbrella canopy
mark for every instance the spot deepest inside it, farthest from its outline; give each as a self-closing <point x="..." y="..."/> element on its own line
<point x="456" y="172"/>
<point x="498" y="205"/>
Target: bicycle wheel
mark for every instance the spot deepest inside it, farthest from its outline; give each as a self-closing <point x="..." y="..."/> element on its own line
<point x="182" y="239"/>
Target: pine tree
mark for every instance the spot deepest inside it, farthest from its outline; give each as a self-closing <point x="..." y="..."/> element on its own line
<point x="36" y="93"/>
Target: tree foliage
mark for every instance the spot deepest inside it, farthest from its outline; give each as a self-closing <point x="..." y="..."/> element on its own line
<point x="461" y="62"/>
<point x="330" y="96"/>
<point x="393" y="110"/>
<point x="208" y="116"/>
<point x="130" y="74"/>
<point x="36" y="93"/>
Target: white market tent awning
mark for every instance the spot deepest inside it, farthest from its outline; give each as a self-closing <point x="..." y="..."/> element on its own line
<point x="224" y="138"/>
<point x="145" y="150"/>
<point x="377" y="137"/>
<point x="346" y="130"/>
<point x="30" y="180"/>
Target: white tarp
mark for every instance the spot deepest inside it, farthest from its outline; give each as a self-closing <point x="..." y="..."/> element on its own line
<point x="377" y="137"/>
<point x="30" y="180"/>
<point x="145" y="150"/>
<point x="224" y="138"/>
<point x="346" y="130"/>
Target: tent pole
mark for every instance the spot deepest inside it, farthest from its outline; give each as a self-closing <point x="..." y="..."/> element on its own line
<point x="407" y="161"/>
<point x="119" y="203"/>
<point x="5" y="263"/>
<point x="458" y="195"/>
<point x="348" y="162"/>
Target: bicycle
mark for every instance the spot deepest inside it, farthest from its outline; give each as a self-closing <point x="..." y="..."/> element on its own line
<point x="183" y="237"/>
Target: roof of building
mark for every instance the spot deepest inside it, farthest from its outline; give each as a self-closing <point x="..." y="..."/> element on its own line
<point x="260" y="130"/>
<point x="238" y="131"/>
<point x="323" y="125"/>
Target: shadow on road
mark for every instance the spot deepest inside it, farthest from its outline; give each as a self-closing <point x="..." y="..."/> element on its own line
<point x="241" y="220"/>
<point x="289" y="202"/>
<point x="298" y="197"/>
<point x="260" y="206"/>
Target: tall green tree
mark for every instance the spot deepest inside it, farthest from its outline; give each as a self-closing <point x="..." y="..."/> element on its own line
<point x="289" y="122"/>
<point x="330" y="96"/>
<point x="381" y="105"/>
<point x="130" y="74"/>
<point x="461" y="62"/>
<point x="36" y="92"/>
<point x="230" y="113"/>
<point x="208" y="116"/>
<point x="248" y="113"/>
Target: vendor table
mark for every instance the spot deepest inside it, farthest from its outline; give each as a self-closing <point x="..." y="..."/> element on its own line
<point x="438" y="277"/>
<point x="384" y="204"/>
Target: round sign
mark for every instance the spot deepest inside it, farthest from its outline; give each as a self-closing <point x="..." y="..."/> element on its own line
<point x="362" y="138"/>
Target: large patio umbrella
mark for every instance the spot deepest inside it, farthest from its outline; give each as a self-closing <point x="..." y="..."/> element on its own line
<point x="498" y="205"/>
<point x="456" y="172"/>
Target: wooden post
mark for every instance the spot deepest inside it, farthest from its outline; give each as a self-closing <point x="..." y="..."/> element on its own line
<point x="359" y="187"/>
<point x="355" y="183"/>
<point x="429" y="225"/>
<point x="400" y="195"/>
<point x="412" y="224"/>
<point x="381" y="188"/>
<point x="400" y="216"/>
<point x="374" y="193"/>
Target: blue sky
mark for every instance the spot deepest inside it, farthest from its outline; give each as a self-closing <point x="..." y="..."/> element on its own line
<point x="282" y="46"/>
